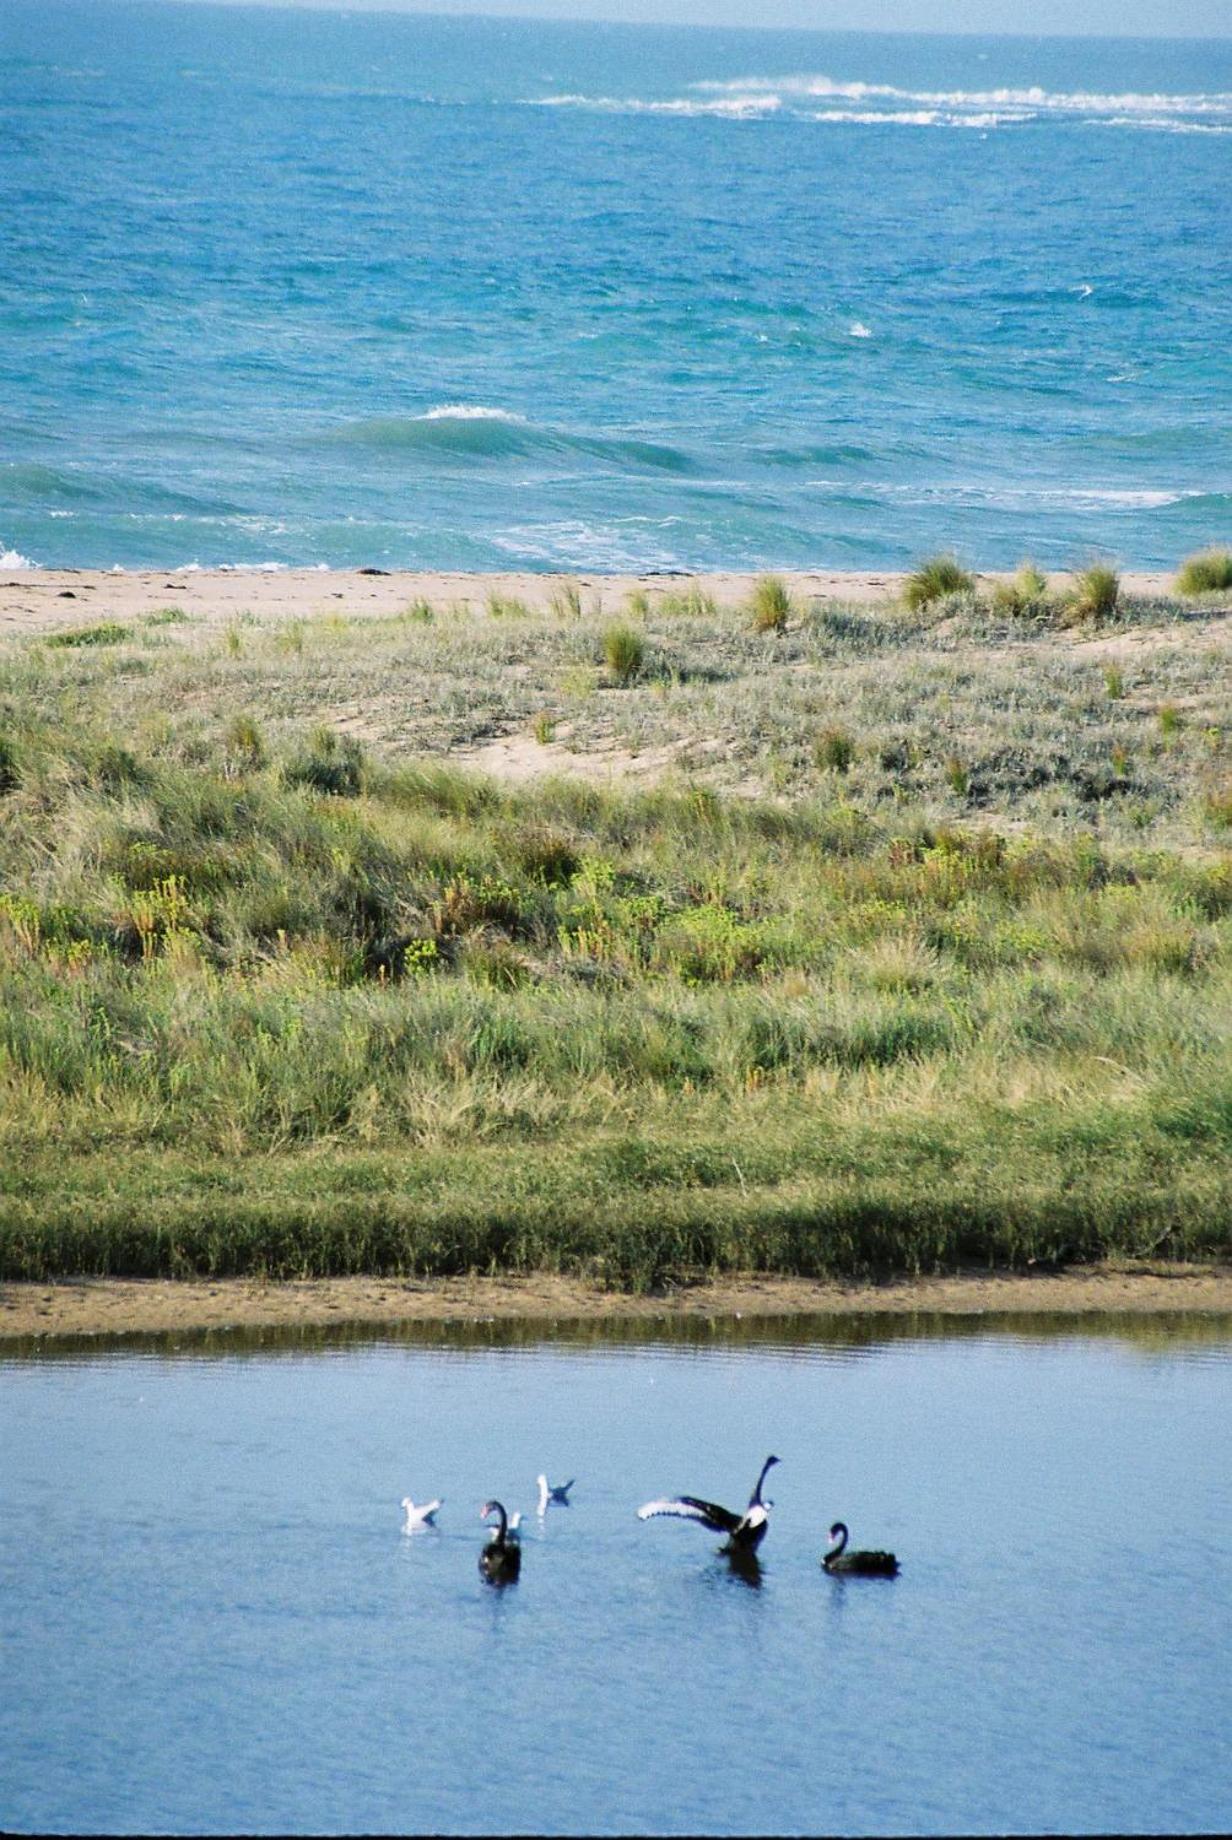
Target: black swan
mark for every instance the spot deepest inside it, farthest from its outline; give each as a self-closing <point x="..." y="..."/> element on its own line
<point x="501" y="1559"/>
<point x="745" y="1532"/>
<point x="866" y="1564"/>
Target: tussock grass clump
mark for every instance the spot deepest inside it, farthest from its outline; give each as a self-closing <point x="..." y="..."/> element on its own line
<point x="624" y="652"/>
<point x="106" y="632"/>
<point x="835" y="750"/>
<point x="331" y="763"/>
<point x="566" y="602"/>
<point x="10" y="775"/>
<point x="771" y="607"/>
<point x="245" y="745"/>
<point x="1025" y="595"/>
<point x="507" y="607"/>
<point x="1093" y="595"/>
<point x="1207" y="573"/>
<point x="1114" y="682"/>
<point x="1217" y="807"/>
<point x="934" y="580"/>
<point x="691" y="603"/>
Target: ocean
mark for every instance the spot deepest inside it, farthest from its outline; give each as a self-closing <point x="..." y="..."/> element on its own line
<point x="300" y="288"/>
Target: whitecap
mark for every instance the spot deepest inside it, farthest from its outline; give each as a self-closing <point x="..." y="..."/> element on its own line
<point x="468" y="412"/>
<point x="13" y="559"/>
<point x="1033" y="97"/>
<point x="858" y="330"/>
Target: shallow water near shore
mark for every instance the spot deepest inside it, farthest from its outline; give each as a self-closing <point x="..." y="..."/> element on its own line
<point x="212" y="1619"/>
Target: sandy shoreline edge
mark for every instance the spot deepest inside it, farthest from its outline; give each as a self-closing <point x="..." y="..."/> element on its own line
<point x="118" y="1306"/>
<point x="37" y="600"/>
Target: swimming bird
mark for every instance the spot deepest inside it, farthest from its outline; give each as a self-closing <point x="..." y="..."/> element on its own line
<point x="745" y="1532"/>
<point x="501" y="1559"/>
<point x="419" y="1518"/>
<point x="866" y="1564"/>
<point x="550" y="1493"/>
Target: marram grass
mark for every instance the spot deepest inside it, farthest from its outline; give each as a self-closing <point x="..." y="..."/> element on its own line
<point x="275" y="1005"/>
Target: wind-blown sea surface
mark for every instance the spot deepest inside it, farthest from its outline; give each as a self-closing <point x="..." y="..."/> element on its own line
<point x="286" y="287"/>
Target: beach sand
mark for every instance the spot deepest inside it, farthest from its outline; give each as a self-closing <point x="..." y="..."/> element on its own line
<point x="34" y="601"/>
<point x="119" y="1306"/>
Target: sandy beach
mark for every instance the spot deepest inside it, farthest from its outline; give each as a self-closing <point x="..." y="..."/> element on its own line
<point x="115" y="1306"/>
<point x="34" y="601"/>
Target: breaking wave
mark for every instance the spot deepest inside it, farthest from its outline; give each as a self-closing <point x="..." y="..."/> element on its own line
<point x="474" y="432"/>
<point x="830" y="99"/>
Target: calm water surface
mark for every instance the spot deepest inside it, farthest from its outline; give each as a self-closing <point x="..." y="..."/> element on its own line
<point x="210" y="1617"/>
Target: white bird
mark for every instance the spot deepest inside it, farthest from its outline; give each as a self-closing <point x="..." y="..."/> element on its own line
<point x="550" y="1493"/>
<point x="419" y="1518"/>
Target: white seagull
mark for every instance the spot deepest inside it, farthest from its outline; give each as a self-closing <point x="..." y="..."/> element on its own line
<point x="419" y="1518"/>
<point x="550" y="1493"/>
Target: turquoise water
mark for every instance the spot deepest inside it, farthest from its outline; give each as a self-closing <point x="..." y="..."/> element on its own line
<point x="211" y="1619"/>
<point x="306" y="288"/>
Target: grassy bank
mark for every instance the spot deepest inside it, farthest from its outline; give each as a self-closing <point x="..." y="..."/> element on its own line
<point x="951" y="980"/>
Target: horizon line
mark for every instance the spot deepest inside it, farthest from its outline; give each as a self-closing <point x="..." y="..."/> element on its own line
<point x="375" y="8"/>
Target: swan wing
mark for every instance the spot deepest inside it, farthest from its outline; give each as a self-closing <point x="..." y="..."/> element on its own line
<point x="689" y="1508"/>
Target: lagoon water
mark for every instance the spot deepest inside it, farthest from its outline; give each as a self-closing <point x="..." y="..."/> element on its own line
<point x="288" y="287"/>
<point x="212" y="1620"/>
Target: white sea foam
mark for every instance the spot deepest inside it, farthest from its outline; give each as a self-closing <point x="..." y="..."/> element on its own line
<point x="738" y="107"/>
<point x="858" y="330"/>
<point x="468" y="412"/>
<point x="1034" y="97"/>
<point x="13" y="559"/>
<point x="863" y="103"/>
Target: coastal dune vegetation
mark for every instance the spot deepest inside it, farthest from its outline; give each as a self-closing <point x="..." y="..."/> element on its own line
<point x="873" y="939"/>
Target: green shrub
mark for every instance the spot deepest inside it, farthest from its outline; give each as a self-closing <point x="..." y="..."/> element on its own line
<point x="933" y="580"/>
<point x="771" y="604"/>
<point x="1207" y="573"/>
<point x="624" y="652"/>
<point x="1169" y="720"/>
<point x="1114" y="682"/>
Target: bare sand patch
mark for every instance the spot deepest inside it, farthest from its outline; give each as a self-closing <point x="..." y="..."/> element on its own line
<point x="34" y="601"/>
<point x="115" y="1306"/>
